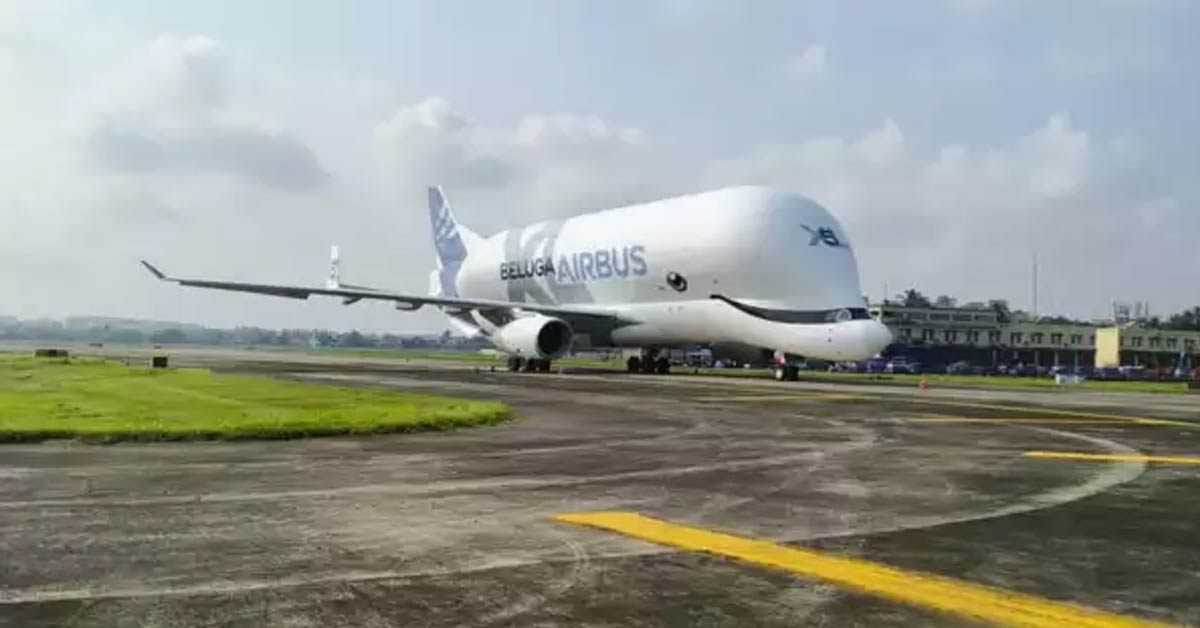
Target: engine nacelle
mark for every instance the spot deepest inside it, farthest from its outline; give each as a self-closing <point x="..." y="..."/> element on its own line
<point x="535" y="337"/>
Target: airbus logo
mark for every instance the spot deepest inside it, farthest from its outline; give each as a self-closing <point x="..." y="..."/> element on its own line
<point x="580" y="267"/>
<point x="823" y="235"/>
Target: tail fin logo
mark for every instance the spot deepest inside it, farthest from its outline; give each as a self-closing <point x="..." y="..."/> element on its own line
<point x="446" y="238"/>
<point x="443" y="226"/>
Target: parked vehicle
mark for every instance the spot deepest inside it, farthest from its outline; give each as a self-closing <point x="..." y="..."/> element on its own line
<point x="1108" y="372"/>
<point x="962" y="367"/>
<point x="895" y="366"/>
<point x="1132" y="372"/>
<point x="875" y="366"/>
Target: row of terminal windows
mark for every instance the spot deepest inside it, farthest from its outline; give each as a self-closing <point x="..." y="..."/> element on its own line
<point x="938" y="316"/>
<point x="1056" y="338"/>
<point x="952" y="336"/>
<point x="1157" y="342"/>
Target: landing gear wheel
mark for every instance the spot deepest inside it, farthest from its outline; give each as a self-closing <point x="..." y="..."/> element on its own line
<point x="648" y="366"/>
<point x="633" y="364"/>
<point x="515" y="363"/>
<point x="787" y="373"/>
<point x="662" y="366"/>
<point x="531" y="365"/>
<point x="543" y="366"/>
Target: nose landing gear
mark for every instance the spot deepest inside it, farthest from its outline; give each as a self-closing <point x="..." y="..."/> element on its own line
<point x="786" y="369"/>
<point x="787" y="372"/>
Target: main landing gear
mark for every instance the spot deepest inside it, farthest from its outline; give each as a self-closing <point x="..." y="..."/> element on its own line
<point x="528" y="365"/>
<point x="648" y="362"/>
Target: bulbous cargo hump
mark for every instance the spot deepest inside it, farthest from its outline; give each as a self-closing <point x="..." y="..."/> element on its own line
<point x="787" y="250"/>
<point x="752" y="243"/>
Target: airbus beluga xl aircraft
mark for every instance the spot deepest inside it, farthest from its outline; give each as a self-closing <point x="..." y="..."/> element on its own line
<point x="749" y="267"/>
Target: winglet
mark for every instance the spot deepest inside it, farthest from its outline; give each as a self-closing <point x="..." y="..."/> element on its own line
<point x="154" y="271"/>
<point x="335" y="269"/>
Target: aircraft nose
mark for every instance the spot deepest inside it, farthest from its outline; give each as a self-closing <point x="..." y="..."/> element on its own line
<point x="865" y="339"/>
<point x="878" y="337"/>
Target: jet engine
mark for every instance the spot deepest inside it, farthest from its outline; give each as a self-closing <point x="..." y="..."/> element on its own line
<point x="535" y="337"/>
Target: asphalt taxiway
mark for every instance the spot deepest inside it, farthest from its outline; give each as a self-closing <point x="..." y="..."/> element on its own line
<point x="618" y="500"/>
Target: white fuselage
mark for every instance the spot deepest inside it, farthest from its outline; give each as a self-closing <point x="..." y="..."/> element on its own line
<point x="782" y="263"/>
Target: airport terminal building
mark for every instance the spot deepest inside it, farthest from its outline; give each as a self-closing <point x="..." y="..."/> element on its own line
<point x="983" y="336"/>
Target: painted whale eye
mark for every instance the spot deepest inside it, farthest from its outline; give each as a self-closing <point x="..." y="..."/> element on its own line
<point x="676" y="281"/>
<point x="842" y="316"/>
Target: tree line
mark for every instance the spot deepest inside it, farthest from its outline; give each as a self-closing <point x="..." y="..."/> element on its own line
<point x="1187" y="320"/>
<point x="132" y="332"/>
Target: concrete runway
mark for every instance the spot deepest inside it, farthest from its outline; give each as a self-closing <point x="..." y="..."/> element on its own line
<point x="457" y="529"/>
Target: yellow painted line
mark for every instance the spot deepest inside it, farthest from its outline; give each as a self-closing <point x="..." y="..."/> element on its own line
<point x="1071" y="455"/>
<point x="1004" y="421"/>
<point x="928" y="591"/>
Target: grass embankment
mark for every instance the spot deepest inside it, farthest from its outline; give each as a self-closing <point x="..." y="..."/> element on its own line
<point x="99" y="401"/>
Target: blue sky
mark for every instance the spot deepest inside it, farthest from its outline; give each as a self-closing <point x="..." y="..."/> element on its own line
<point x="952" y="138"/>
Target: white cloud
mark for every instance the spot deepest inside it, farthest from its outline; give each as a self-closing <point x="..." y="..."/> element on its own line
<point x="167" y="109"/>
<point x="572" y="132"/>
<point x="543" y="164"/>
<point x="811" y="62"/>
<point x="882" y="146"/>
<point x="157" y="155"/>
<point x="961" y="219"/>
<point x="172" y="81"/>
<point x="428" y="143"/>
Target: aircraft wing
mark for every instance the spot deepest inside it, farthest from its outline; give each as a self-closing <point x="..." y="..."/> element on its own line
<point x="351" y="294"/>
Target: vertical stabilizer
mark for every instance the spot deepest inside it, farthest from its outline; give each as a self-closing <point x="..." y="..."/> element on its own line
<point x="452" y="241"/>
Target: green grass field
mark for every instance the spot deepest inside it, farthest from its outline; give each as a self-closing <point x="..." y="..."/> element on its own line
<point x="100" y="401"/>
